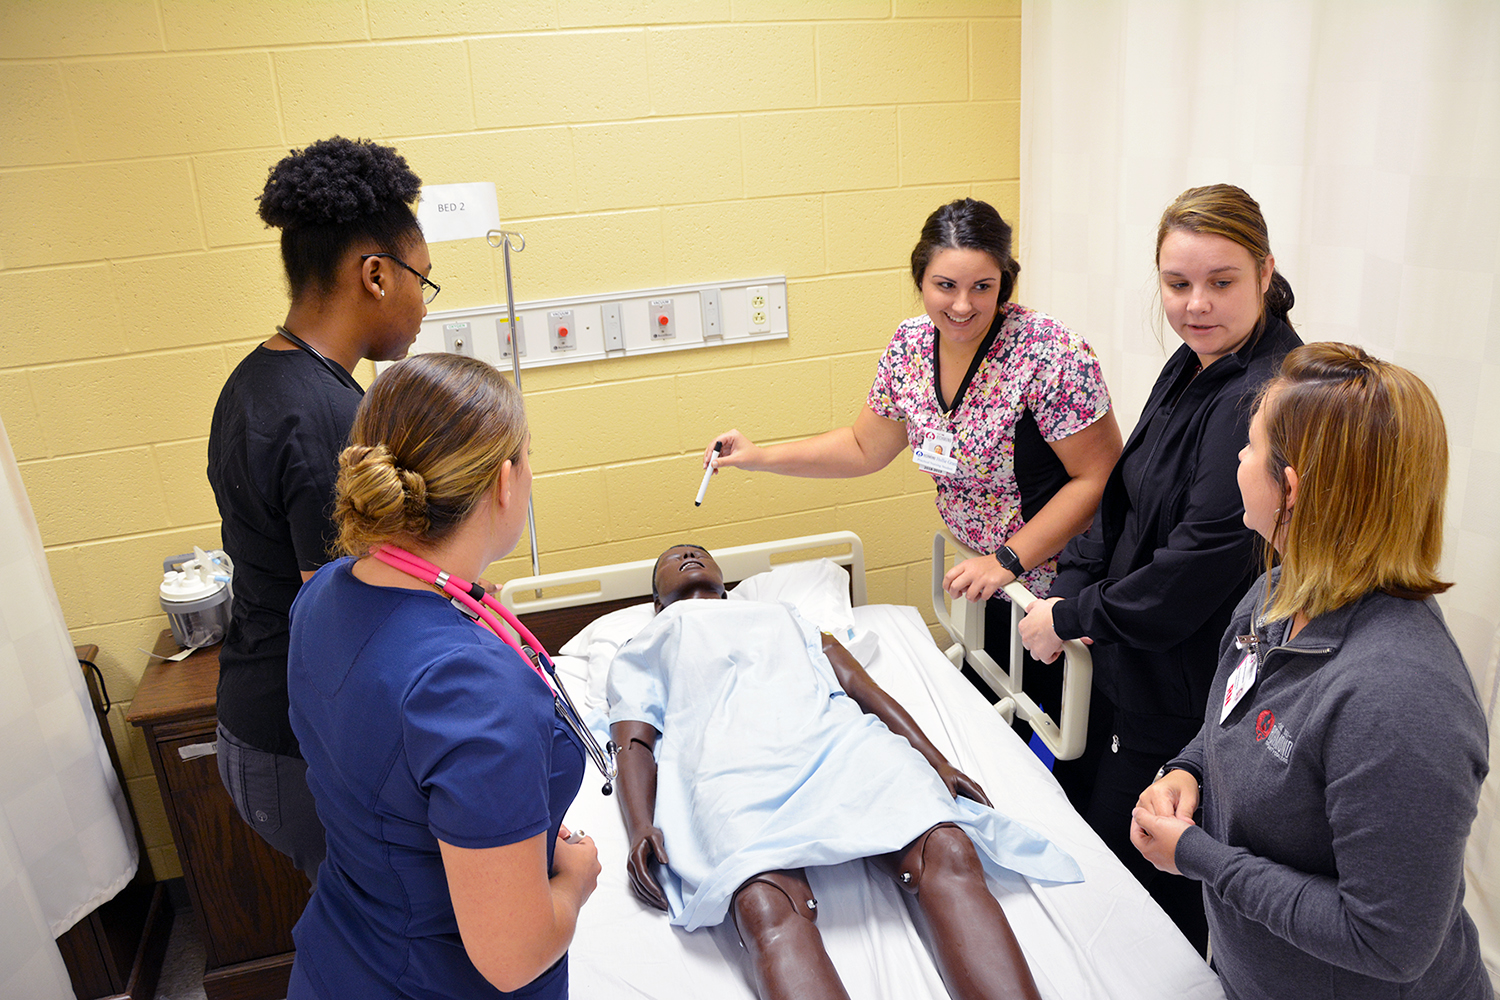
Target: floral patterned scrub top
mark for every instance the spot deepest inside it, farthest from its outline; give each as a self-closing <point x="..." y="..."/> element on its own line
<point x="1033" y="363"/>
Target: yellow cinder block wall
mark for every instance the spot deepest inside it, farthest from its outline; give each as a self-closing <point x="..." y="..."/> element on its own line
<point x="634" y="144"/>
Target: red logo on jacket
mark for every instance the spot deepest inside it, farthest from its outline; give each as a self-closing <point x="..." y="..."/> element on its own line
<point x="1263" y="723"/>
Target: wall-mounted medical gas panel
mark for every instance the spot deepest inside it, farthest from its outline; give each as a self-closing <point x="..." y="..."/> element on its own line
<point x="613" y="325"/>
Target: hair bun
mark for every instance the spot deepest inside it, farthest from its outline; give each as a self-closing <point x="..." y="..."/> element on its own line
<point x="1279" y="297"/>
<point x="336" y="180"/>
<point x="373" y="489"/>
<point x="414" y="488"/>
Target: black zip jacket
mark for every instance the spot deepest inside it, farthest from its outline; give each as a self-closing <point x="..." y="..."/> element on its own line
<point x="1154" y="584"/>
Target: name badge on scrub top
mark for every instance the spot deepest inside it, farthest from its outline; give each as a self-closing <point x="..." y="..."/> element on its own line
<point x="1240" y="682"/>
<point x="935" y="454"/>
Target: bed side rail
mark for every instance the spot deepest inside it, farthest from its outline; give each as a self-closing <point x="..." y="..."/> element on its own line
<point x="600" y="584"/>
<point x="965" y="626"/>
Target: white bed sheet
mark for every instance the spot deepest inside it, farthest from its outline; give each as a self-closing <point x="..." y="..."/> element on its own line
<point x="1102" y="938"/>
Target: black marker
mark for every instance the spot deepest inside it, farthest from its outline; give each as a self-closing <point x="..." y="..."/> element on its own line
<point x="708" y="472"/>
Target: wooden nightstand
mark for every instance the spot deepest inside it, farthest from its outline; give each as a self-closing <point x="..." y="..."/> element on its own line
<point x="247" y="894"/>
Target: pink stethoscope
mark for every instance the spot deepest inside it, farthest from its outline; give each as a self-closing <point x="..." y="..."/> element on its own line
<point x="479" y="606"/>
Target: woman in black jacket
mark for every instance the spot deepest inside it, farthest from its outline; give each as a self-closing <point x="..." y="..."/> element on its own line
<point x="1153" y="582"/>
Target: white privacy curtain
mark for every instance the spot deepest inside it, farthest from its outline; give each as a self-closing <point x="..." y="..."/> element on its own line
<point x="65" y="836"/>
<point x="1369" y="131"/>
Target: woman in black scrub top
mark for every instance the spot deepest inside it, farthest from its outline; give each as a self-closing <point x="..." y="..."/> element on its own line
<point x="356" y="265"/>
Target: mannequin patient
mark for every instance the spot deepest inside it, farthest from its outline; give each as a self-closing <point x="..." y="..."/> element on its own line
<point x="752" y="746"/>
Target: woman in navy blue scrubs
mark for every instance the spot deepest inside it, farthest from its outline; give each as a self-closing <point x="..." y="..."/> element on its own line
<point x="440" y="768"/>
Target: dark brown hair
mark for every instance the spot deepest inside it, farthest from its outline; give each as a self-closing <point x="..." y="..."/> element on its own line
<point x="967" y="224"/>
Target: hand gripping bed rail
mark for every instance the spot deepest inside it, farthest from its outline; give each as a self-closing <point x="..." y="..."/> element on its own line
<point x="965" y="626"/>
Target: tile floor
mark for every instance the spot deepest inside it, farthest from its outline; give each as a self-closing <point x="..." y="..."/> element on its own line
<point x="182" y="969"/>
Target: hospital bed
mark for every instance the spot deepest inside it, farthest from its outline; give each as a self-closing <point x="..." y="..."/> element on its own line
<point x="1101" y="938"/>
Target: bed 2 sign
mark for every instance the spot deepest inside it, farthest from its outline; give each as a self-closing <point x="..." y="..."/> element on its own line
<point x="458" y="211"/>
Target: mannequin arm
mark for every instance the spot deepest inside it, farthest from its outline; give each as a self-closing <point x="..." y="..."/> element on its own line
<point x="872" y="698"/>
<point x="637" y="792"/>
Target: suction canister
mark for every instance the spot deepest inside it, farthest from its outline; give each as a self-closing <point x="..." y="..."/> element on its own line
<point x="197" y="591"/>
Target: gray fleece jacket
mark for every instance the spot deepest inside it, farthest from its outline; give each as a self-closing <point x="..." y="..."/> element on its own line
<point x="1337" y="798"/>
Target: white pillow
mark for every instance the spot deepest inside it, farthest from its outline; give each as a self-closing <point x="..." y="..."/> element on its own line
<point x="818" y="589"/>
<point x="615" y="627"/>
<point x="598" y="642"/>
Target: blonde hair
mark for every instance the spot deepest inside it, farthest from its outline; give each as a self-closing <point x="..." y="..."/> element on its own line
<point x="428" y="442"/>
<point x="1227" y="211"/>
<point x="1370" y="450"/>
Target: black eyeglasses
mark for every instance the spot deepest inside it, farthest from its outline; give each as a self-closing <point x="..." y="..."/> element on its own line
<point x="429" y="288"/>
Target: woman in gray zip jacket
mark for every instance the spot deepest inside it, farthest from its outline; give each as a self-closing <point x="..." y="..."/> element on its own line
<point x="1339" y="763"/>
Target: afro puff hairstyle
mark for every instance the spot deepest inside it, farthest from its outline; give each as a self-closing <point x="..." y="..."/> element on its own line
<point x="333" y="195"/>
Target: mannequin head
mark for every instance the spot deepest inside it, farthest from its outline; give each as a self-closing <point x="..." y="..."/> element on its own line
<point x="683" y="572"/>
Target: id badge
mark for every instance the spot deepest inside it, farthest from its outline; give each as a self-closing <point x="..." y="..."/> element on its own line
<point x="935" y="454"/>
<point x="1240" y="682"/>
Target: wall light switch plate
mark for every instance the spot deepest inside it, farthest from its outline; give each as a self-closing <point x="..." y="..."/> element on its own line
<point x="614" y="337"/>
<point x="713" y="325"/>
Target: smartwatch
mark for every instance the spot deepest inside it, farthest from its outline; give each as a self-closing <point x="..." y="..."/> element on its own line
<point x="1010" y="561"/>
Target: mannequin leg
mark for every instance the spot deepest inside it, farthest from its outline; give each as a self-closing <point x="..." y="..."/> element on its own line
<point x="975" y="951"/>
<point x="776" y="924"/>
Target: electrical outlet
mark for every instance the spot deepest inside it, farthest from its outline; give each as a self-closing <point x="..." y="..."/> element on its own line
<point x="712" y="326"/>
<point x="564" y="332"/>
<point x="502" y="331"/>
<point x="457" y="339"/>
<point x="663" y="319"/>
<point x="759" y="314"/>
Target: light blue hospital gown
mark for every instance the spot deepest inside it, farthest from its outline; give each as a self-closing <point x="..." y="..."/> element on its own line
<point x="764" y="762"/>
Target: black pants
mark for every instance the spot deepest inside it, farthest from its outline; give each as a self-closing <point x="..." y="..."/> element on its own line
<point x="1104" y="782"/>
<point x="1103" y="785"/>
<point x="270" y="793"/>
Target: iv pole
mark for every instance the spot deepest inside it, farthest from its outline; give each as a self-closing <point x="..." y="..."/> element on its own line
<point x="501" y="239"/>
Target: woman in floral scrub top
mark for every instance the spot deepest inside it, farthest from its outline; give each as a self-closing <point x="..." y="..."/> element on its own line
<point x="1005" y="408"/>
<point x="1036" y="383"/>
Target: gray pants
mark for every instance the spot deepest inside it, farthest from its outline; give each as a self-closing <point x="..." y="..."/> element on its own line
<point x="270" y="793"/>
